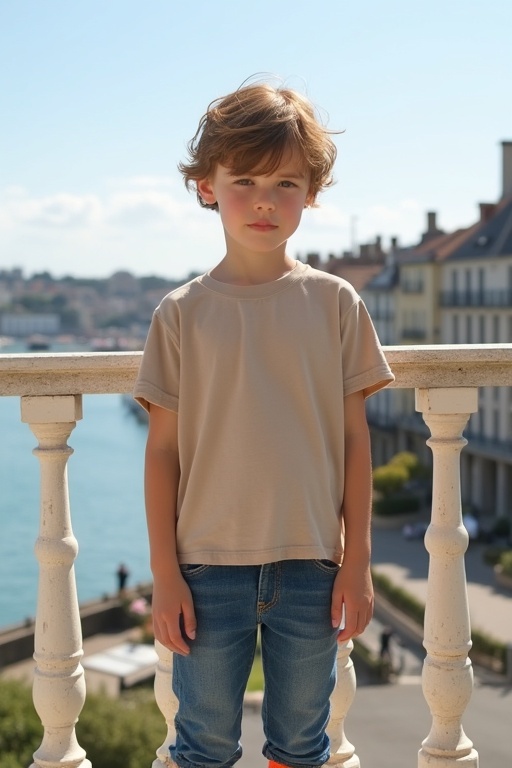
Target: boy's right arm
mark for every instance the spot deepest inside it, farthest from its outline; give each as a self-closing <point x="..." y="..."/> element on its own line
<point x="171" y="596"/>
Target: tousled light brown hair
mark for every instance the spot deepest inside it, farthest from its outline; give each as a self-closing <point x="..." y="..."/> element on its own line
<point x="252" y="129"/>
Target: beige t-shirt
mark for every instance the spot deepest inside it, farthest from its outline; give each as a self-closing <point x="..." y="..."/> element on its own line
<point x="258" y="376"/>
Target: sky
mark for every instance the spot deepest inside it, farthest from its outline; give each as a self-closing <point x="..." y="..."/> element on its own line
<point x="100" y="97"/>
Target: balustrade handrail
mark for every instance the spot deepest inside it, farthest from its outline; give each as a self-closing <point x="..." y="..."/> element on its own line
<point x="446" y="379"/>
<point x="417" y="366"/>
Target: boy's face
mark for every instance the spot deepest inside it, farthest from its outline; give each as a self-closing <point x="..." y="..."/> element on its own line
<point x="259" y="213"/>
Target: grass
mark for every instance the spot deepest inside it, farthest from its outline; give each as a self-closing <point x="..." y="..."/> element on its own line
<point x="256" y="680"/>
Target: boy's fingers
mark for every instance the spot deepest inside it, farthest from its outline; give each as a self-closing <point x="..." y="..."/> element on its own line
<point x="349" y="629"/>
<point x="170" y="635"/>
<point x="337" y="610"/>
<point x="355" y="624"/>
<point x="336" y="615"/>
<point x="177" y="644"/>
<point x="189" y="621"/>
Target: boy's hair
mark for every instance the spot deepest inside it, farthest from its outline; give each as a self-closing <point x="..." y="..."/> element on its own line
<point x="251" y="129"/>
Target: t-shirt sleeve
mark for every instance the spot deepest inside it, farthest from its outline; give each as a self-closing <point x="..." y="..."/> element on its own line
<point x="364" y="365"/>
<point x="159" y="373"/>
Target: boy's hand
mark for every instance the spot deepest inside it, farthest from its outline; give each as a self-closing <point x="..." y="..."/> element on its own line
<point x="170" y="602"/>
<point x="353" y="591"/>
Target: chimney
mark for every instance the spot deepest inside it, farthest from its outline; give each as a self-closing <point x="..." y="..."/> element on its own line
<point x="486" y="211"/>
<point x="432" y="228"/>
<point x="391" y="254"/>
<point x="507" y="167"/>
<point x="431" y="222"/>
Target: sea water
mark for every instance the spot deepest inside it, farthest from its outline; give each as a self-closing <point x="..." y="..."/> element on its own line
<point x="105" y="475"/>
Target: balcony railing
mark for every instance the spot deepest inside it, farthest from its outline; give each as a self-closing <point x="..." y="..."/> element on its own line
<point x="446" y="380"/>
<point x="414" y="334"/>
<point x="493" y="297"/>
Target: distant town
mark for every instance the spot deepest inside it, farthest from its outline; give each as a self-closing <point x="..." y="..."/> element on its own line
<point x="106" y="314"/>
<point x="114" y="313"/>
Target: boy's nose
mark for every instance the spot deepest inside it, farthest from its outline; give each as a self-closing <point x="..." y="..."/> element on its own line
<point x="264" y="202"/>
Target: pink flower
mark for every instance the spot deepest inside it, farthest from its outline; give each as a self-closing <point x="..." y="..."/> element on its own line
<point x="139" y="606"/>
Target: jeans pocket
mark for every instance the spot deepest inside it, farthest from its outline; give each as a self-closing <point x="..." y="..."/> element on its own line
<point x="327" y="566"/>
<point x="193" y="569"/>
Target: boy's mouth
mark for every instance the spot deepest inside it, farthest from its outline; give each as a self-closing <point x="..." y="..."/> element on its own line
<point x="262" y="226"/>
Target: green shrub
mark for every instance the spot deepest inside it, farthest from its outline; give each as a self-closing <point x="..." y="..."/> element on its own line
<point x="402" y="504"/>
<point x="492" y="555"/>
<point x="409" y="461"/>
<point x="489" y="647"/>
<point x="115" y="733"/>
<point x="398" y="597"/>
<point x="20" y="728"/>
<point x="389" y="478"/>
<point x="379" y="668"/>
<point x="120" y="733"/>
<point x="506" y="562"/>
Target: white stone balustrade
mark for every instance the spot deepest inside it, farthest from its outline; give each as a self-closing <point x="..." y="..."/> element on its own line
<point x="166" y="700"/>
<point x="447" y="671"/>
<point x="342" y="751"/>
<point x="446" y="379"/>
<point x="59" y="685"/>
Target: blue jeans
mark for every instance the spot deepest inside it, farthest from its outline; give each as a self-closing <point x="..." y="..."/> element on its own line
<point x="291" y="602"/>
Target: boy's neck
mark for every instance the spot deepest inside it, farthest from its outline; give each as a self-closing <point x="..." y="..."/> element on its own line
<point x="264" y="268"/>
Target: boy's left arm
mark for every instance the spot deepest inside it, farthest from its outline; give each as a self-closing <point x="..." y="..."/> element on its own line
<point x="353" y="589"/>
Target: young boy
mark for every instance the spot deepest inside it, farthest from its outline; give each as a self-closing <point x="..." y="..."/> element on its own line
<point x="258" y="475"/>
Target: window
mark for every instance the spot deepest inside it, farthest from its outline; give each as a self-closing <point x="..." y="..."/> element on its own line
<point x="496" y="329"/>
<point x="481" y="329"/>
<point x="455" y="329"/>
<point x="469" y="329"/>
<point x="496" y="425"/>
<point x="467" y="276"/>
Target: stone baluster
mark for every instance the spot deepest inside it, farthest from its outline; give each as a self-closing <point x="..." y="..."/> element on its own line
<point x="447" y="671"/>
<point x="59" y="685"/>
<point x="166" y="701"/>
<point x="342" y="751"/>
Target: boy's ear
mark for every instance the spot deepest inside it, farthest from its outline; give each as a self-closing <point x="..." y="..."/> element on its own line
<point x="204" y="188"/>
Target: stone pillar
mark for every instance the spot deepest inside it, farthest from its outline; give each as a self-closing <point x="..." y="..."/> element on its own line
<point x="59" y="684"/>
<point x="447" y="670"/>
<point x="167" y="703"/>
<point x="342" y="751"/>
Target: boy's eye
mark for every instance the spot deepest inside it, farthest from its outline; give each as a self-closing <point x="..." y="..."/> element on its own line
<point x="287" y="184"/>
<point x="243" y="182"/>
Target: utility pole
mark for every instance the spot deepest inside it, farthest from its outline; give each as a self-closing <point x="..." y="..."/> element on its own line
<point x="353" y="234"/>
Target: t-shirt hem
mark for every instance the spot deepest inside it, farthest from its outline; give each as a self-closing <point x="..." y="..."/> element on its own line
<point x="261" y="557"/>
<point x="370" y="381"/>
<point x="145" y="394"/>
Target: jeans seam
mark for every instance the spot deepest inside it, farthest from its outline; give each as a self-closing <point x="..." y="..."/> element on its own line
<point x="264" y="607"/>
